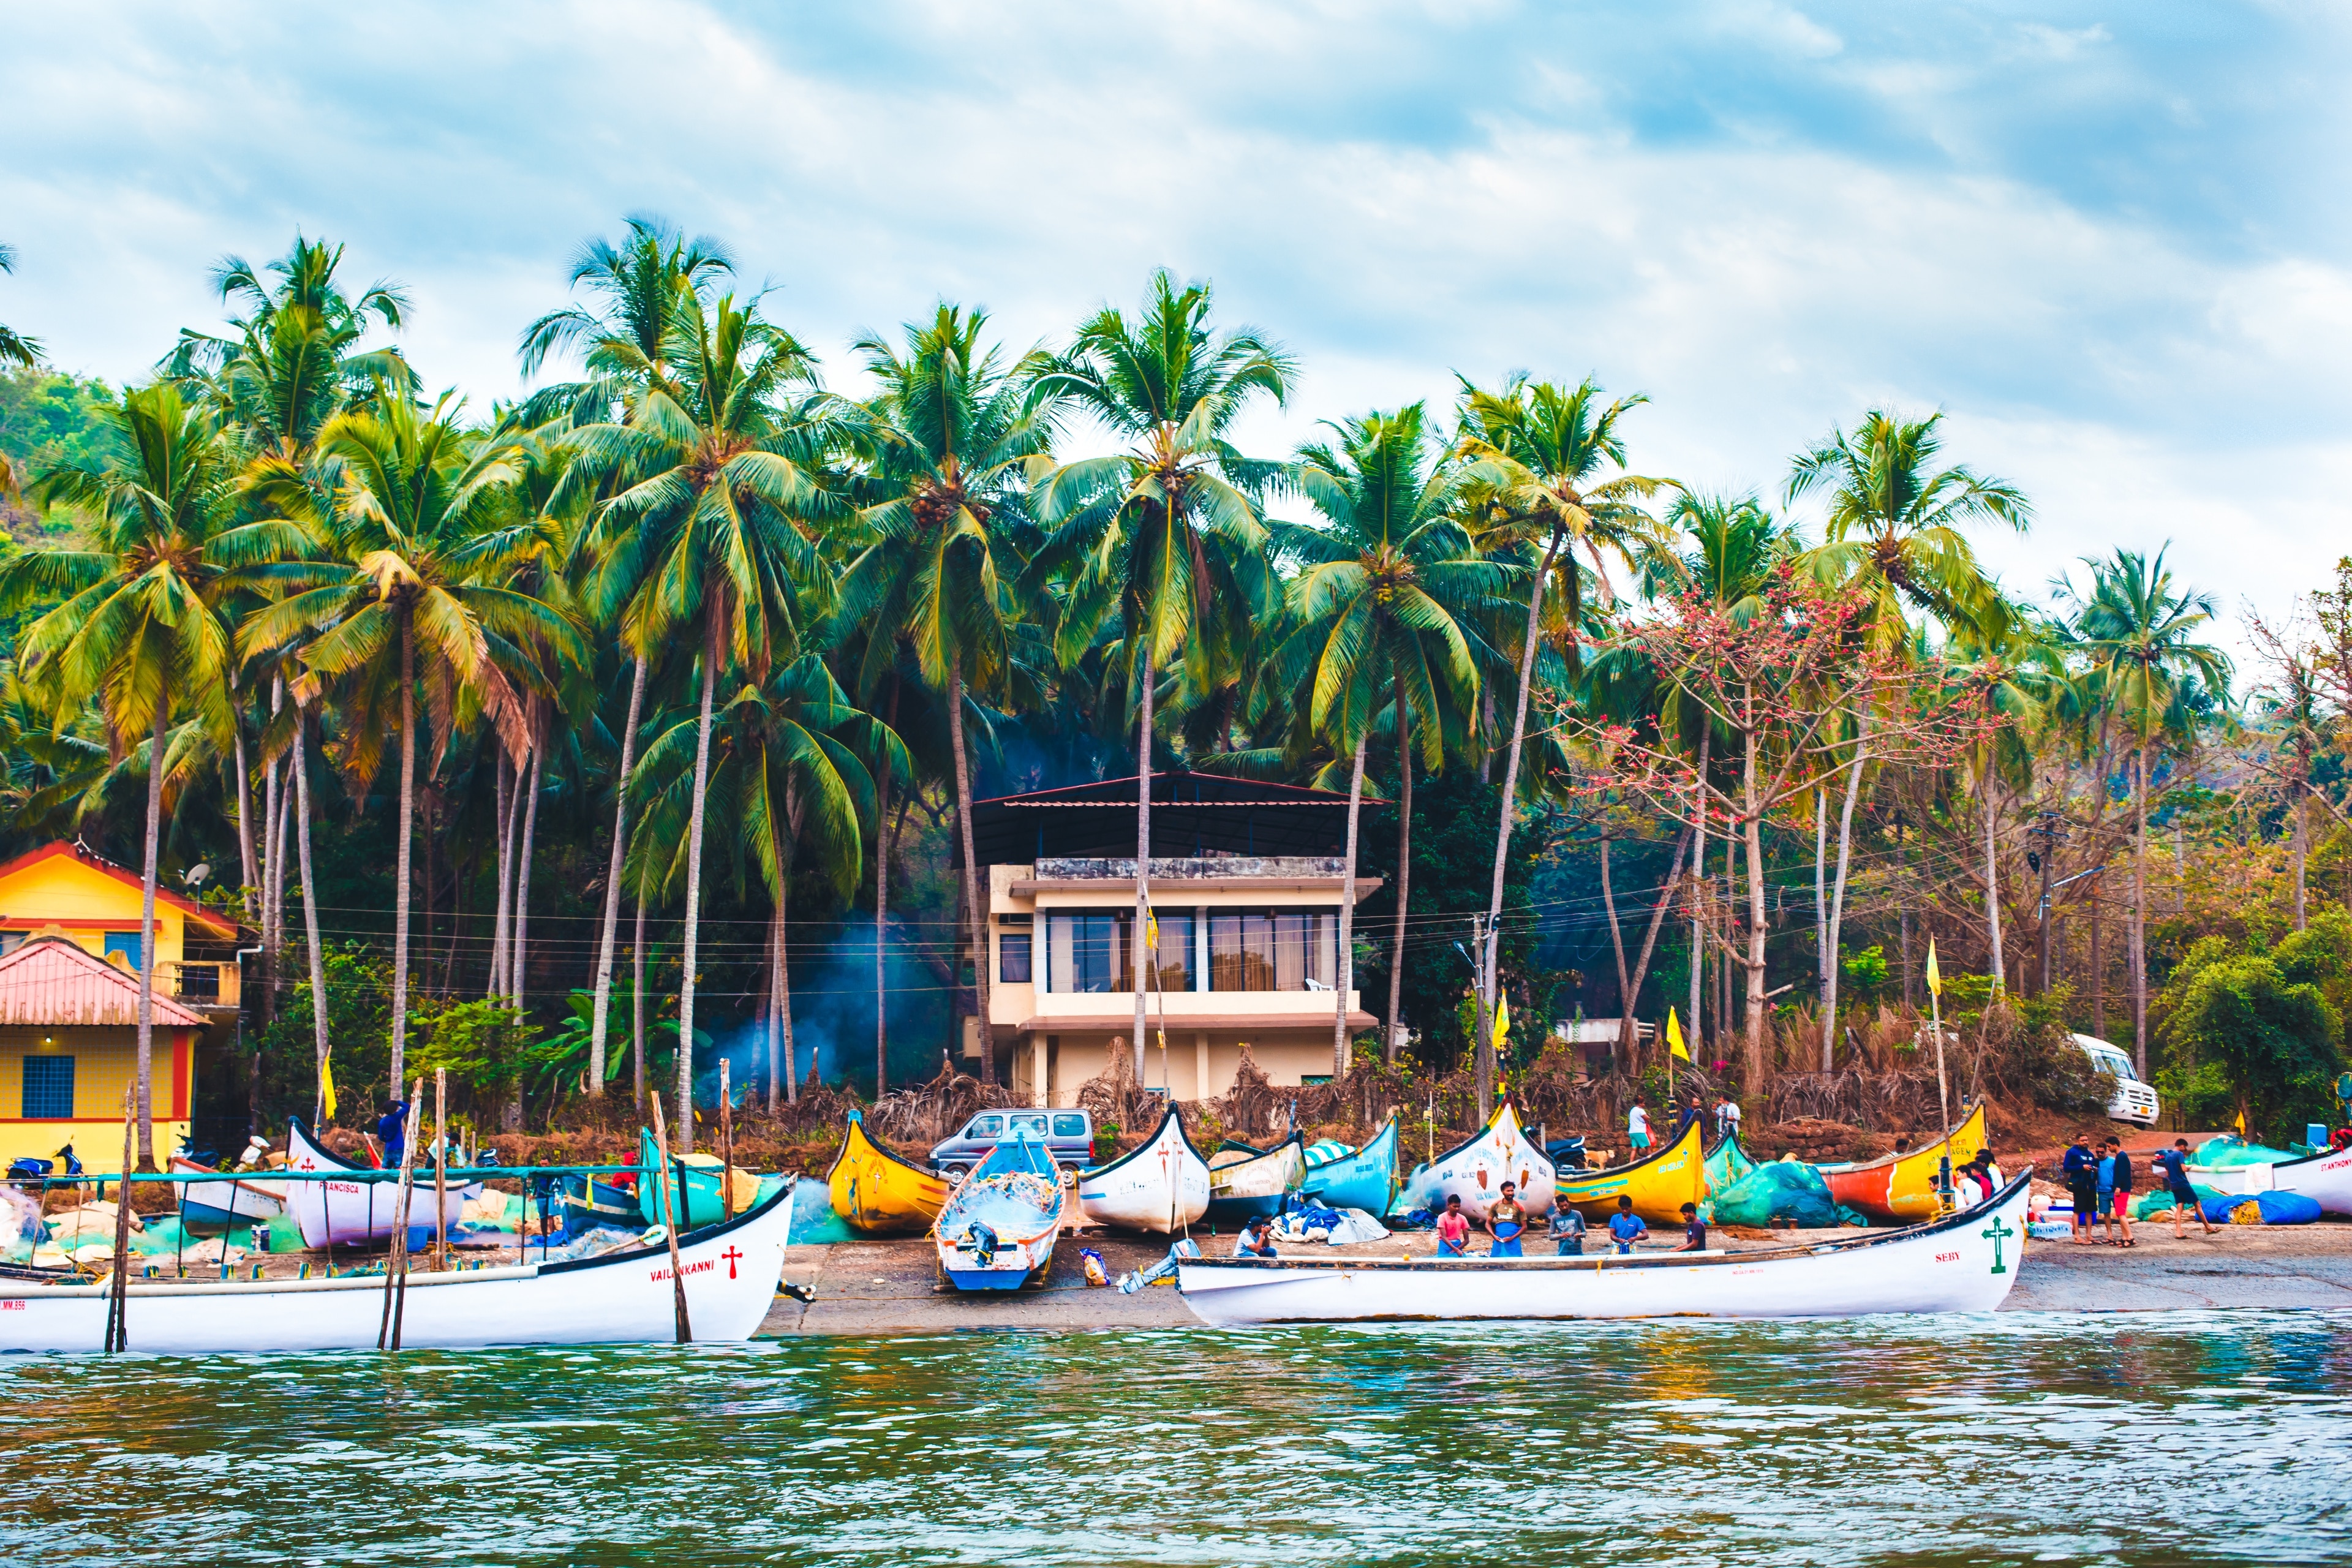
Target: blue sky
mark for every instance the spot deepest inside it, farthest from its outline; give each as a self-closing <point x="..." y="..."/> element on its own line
<point x="2110" y="240"/>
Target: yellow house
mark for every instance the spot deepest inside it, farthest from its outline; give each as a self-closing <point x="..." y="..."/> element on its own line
<point x="1245" y="882"/>
<point x="70" y="959"/>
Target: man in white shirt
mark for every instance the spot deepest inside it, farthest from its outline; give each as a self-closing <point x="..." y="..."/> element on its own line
<point x="1256" y="1239"/>
<point x="1726" y="1115"/>
<point x="1637" y="1129"/>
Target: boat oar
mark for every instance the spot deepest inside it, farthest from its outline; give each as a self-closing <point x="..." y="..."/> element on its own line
<point x="117" y="1297"/>
<point x="659" y="1173"/>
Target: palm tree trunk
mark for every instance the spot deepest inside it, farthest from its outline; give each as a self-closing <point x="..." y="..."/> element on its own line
<point x="597" y="1021"/>
<point x="269" y="954"/>
<point x="1835" y="934"/>
<point x="711" y="632"/>
<point x="400" y="875"/>
<point x="1698" y="883"/>
<point x="977" y="912"/>
<point x="1404" y="869"/>
<point x="1143" y="818"/>
<point x="793" y="812"/>
<point x="2301" y="852"/>
<point x="1993" y="877"/>
<point x="522" y="878"/>
<point x="882" y="907"/>
<point x="1493" y="944"/>
<point x="2139" y="913"/>
<point x="146" y="1059"/>
<point x="309" y="898"/>
<point x="509" y="797"/>
<point x="1616" y="946"/>
<point x="277" y="984"/>
<point x="1343" y="968"/>
<point x="637" y="1000"/>
<point x="1821" y="893"/>
<point x="1752" y="839"/>
<point x="776" y="1009"/>
<point x="247" y="863"/>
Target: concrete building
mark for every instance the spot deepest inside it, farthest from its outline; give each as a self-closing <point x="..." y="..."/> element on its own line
<point x="1245" y="880"/>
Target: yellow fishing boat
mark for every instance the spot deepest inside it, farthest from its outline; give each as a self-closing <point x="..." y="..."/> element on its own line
<point x="878" y="1193"/>
<point x="1660" y="1184"/>
<point x="1900" y="1189"/>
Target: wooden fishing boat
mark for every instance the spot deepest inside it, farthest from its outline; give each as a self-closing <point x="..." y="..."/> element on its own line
<point x="731" y="1272"/>
<point x="1161" y="1186"/>
<point x="1727" y="1161"/>
<point x="1963" y="1263"/>
<point x="998" y="1229"/>
<point x="359" y="1212"/>
<point x="1247" y="1181"/>
<point x="1475" y="1170"/>
<point x="583" y="1202"/>
<point x="1660" y="1183"/>
<point x="1900" y="1189"/>
<point x="1362" y="1178"/>
<point x="876" y="1193"/>
<point x="2325" y="1178"/>
<point x="209" y="1207"/>
<point x="701" y="1173"/>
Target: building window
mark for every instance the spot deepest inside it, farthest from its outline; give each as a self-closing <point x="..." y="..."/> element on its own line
<point x="10" y="940"/>
<point x="48" y="1088"/>
<point x="1273" y="949"/>
<point x="1087" y="953"/>
<point x="1173" y="966"/>
<point x="1012" y="949"/>
<point x="125" y="942"/>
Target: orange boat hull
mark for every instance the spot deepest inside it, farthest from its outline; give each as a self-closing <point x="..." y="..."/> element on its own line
<point x="1901" y="1188"/>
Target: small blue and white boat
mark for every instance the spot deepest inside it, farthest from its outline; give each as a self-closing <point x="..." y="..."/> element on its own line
<point x="998" y="1230"/>
<point x="1348" y="1178"/>
<point x="1245" y="1182"/>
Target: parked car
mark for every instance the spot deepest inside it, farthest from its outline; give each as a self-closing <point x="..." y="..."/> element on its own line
<point x="2128" y="1100"/>
<point x="1069" y="1135"/>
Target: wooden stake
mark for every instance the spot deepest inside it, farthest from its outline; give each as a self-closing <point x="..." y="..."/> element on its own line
<point x="677" y="1279"/>
<point x="395" y="1260"/>
<point x="726" y="1145"/>
<point x="117" y="1299"/>
<point x="440" y="1172"/>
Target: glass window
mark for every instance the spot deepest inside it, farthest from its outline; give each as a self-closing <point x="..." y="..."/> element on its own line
<point x="1273" y="949"/>
<point x="49" y="1087"/>
<point x="1172" y="963"/>
<point x="1012" y="949"/>
<point x="1088" y="951"/>
<point x="1033" y="1125"/>
<point x="10" y="940"/>
<point x="1070" y="1125"/>
<point x="125" y="942"/>
<point x="985" y="1127"/>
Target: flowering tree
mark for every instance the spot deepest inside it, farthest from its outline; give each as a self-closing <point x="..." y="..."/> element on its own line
<point x="1754" y="706"/>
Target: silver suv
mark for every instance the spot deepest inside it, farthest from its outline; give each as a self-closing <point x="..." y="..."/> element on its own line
<point x="1069" y="1134"/>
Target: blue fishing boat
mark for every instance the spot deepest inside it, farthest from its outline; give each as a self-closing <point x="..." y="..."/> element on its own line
<point x="583" y="1202"/>
<point x="1362" y="1178"/>
<point x="998" y="1230"/>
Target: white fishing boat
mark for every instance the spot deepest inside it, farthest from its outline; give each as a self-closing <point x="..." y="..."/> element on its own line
<point x="360" y="1212"/>
<point x="1476" y="1170"/>
<point x="1247" y="1181"/>
<point x="1162" y="1187"/>
<point x="218" y="1205"/>
<point x="2325" y="1178"/>
<point x="730" y="1270"/>
<point x="1966" y="1263"/>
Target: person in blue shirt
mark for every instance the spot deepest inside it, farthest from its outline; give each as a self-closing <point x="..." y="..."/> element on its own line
<point x="2103" y="1196"/>
<point x="2081" y="1170"/>
<point x="391" y="1130"/>
<point x="2172" y="1164"/>
<point x="1625" y="1227"/>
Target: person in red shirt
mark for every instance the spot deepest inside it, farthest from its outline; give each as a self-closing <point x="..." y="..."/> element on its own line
<point x="1453" y="1229"/>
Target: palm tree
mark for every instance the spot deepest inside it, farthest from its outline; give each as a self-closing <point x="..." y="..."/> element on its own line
<point x="1164" y="534"/>
<point x="14" y="348"/>
<point x="953" y="431"/>
<point x="2138" y="633"/>
<point x="1374" y="603"/>
<point x="711" y="478"/>
<point x="140" y="625"/>
<point x="403" y="587"/>
<point x="624" y="345"/>
<point x="1536" y="452"/>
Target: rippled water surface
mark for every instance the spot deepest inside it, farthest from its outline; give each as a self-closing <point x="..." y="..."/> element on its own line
<point x="2156" y="1439"/>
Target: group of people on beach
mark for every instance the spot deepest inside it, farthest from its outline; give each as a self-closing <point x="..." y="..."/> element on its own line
<point x="1505" y="1225"/>
<point x="2099" y="1178"/>
<point x="1637" y="1121"/>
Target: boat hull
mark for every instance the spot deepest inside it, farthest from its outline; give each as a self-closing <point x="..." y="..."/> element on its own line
<point x="1475" y="1170"/>
<point x="875" y="1193"/>
<point x="731" y="1272"/>
<point x="1659" y="1183"/>
<point x="216" y="1205"/>
<point x="363" y="1211"/>
<point x="1364" y="1179"/>
<point x="1967" y="1263"/>
<point x="1244" y="1189"/>
<point x="1901" y="1189"/>
<point x="1162" y="1187"/>
<point x="2325" y="1178"/>
<point x="998" y="1230"/>
<point x="1727" y="1163"/>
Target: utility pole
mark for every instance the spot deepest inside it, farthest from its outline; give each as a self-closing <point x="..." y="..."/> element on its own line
<point x="2049" y="834"/>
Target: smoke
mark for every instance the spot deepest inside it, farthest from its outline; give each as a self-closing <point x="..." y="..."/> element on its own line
<point x="833" y="1014"/>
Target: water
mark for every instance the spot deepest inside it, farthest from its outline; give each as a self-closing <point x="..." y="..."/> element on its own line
<point x="2181" y="1437"/>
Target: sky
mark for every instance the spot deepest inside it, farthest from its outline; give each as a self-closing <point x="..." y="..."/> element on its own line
<point x="2110" y="242"/>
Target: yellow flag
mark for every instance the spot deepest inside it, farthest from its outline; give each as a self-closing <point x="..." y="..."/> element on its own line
<point x="1150" y="929"/>
<point x="1502" y="1021"/>
<point x="1935" y="975"/>
<point x="1675" y="1036"/>
<point x="327" y="1085"/>
<point x="2242" y="1124"/>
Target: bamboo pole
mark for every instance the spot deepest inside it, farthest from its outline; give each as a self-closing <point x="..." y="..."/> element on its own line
<point x="395" y="1259"/>
<point x="676" y="1278"/>
<point x="440" y="1171"/>
<point x="726" y="1145"/>
<point x="118" y="1298"/>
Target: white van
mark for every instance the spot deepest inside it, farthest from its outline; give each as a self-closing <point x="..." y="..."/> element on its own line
<point x="2130" y="1100"/>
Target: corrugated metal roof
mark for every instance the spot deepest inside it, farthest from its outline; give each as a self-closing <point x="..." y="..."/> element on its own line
<point x="50" y="981"/>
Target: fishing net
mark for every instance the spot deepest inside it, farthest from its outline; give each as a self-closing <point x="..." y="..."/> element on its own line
<point x="1784" y="1190"/>
<point x="814" y="1223"/>
<point x="2229" y="1152"/>
<point x="2158" y="1203"/>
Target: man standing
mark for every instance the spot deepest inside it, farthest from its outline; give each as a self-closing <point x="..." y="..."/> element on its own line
<point x="1692" y="1112"/>
<point x="1726" y="1115"/>
<point x="1507" y="1222"/>
<point x="1567" y="1230"/>
<point x="1637" y="1131"/>
<point x="1694" y="1230"/>
<point x="2119" y="1180"/>
<point x="2080" y="1169"/>
<point x="2172" y="1164"/>
<point x="392" y="1132"/>
<point x="1625" y="1228"/>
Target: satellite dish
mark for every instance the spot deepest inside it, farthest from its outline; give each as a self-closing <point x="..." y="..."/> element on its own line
<point x="194" y="875"/>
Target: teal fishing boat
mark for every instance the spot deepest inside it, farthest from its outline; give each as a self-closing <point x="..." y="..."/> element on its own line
<point x="1362" y="1178"/>
<point x="1727" y="1163"/>
<point x="701" y="1175"/>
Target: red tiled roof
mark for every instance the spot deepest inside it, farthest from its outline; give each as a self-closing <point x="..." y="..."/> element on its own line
<point x="219" y="924"/>
<point x="51" y="982"/>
